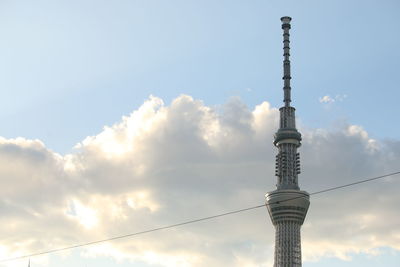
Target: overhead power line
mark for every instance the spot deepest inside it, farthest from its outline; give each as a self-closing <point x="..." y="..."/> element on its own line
<point x="193" y="221"/>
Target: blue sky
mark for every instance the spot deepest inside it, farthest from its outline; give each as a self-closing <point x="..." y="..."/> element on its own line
<point x="70" y="68"/>
<point x="63" y="62"/>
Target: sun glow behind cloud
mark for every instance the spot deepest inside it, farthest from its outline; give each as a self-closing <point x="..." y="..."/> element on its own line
<point x="83" y="214"/>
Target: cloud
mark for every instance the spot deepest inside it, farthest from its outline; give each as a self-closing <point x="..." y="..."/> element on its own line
<point x="327" y="99"/>
<point x="165" y="164"/>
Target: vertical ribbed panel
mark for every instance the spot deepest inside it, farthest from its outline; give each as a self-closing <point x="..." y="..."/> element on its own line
<point x="287" y="117"/>
<point x="287" y="166"/>
<point x="287" y="244"/>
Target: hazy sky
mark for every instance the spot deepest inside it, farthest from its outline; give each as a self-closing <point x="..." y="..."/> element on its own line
<point x="119" y="116"/>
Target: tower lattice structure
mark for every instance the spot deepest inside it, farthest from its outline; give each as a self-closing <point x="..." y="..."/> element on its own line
<point x="287" y="205"/>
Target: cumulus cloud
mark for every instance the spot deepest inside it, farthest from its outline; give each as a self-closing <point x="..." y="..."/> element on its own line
<point x="164" y="164"/>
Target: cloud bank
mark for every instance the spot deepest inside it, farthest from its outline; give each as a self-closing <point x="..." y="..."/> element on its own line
<point x="165" y="164"/>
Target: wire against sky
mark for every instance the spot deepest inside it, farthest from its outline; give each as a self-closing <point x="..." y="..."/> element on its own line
<point x="194" y="220"/>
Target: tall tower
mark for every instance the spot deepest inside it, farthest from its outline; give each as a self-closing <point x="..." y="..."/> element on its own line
<point x="287" y="205"/>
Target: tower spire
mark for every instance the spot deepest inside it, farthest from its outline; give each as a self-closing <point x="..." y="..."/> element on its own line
<point x="287" y="205"/>
<point x="287" y="138"/>
<point x="286" y="61"/>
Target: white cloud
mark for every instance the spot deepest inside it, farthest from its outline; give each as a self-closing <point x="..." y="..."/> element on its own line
<point x="165" y="164"/>
<point x="327" y="99"/>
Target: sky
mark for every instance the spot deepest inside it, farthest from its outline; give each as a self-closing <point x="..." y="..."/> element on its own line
<point x="121" y="116"/>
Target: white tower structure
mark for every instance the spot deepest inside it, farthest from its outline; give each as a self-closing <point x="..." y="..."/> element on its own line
<point x="287" y="205"/>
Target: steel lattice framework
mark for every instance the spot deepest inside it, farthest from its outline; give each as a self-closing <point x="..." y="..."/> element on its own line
<point x="287" y="205"/>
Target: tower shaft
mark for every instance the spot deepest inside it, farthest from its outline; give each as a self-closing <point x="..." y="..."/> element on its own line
<point x="287" y="205"/>
<point x="288" y="245"/>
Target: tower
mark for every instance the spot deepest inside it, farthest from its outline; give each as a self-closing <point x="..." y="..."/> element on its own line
<point x="287" y="205"/>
